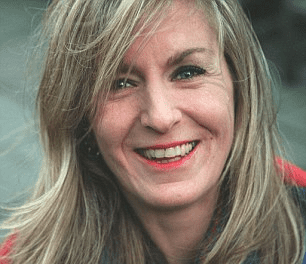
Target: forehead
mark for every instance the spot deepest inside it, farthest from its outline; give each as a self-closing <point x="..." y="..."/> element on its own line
<point x="184" y="27"/>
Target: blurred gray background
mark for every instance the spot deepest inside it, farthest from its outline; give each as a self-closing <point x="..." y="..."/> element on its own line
<point x="281" y="28"/>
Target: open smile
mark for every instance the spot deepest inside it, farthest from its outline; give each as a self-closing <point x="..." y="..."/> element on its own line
<point x="162" y="155"/>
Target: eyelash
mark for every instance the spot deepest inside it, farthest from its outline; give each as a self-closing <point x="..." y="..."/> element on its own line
<point x="193" y="71"/>
<point x="120" y="84"/>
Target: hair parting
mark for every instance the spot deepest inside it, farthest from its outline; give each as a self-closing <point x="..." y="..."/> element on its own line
<point x="77" y="213"/>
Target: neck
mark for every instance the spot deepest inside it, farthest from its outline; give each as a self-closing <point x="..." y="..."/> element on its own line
<point x="178" y="232"/>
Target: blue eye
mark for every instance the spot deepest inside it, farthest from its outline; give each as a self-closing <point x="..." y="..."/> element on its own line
<point x="121" y="84"/>
<point x="187" y="72"/>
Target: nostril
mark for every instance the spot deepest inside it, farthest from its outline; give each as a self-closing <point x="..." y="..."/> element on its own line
<point x="160" y="122"/>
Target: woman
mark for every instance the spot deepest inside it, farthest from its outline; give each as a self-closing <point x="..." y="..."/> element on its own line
<point x="160" y="141"/>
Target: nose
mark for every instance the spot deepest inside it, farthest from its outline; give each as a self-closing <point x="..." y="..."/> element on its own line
<point x="160" y="111"/>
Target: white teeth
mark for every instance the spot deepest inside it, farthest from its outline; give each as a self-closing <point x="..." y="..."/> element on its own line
<point x="183" y="150"/>
<point x="152" y="152"/>
<point x="169" y="160"/>
<point x="169" y="152"/>
<point x="178" y="151"/>
<point x="159" y="153"/>
<point x="149" y="155"/>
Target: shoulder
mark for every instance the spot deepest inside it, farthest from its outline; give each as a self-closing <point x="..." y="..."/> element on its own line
<point x="295" y="177"/>
<point x="292" y="173"/>
<point x="6" y="248"/>
<point x="299" y="197"/>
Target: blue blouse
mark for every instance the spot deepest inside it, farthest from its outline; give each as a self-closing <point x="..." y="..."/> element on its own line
<point x="216" y="228"/>
<point x="299" y="195"/>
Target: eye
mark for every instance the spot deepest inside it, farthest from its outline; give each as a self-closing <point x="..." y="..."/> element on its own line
<point x="121" y="84"/>
<point x="187" y="72"/>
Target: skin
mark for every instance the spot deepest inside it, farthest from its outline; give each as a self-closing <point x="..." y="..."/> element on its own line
<point x="164" y="102"/>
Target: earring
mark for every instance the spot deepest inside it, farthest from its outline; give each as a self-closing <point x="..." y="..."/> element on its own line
<point x="91" y="149"/>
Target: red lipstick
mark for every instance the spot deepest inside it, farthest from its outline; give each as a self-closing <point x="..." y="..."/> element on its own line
<point x="169" y="145"/>
<point x="157" y="163"/>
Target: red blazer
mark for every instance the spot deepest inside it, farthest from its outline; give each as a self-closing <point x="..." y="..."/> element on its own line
<point x="6" y="248"/>
<point x="293" y="174"/>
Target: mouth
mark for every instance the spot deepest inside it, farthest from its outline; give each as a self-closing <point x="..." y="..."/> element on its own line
<point x="167" y="155"/>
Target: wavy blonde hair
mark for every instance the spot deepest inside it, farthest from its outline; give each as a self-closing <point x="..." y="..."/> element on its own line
<point x="77" y="213"/>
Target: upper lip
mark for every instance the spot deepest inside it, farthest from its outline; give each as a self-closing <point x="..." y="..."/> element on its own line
<point x="168" y="145"/>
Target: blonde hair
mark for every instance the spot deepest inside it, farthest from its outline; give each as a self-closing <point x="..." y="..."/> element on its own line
<point x="77" y="213"/>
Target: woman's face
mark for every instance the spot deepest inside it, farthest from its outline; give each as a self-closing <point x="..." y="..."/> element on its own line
<point x="167" y="132"/>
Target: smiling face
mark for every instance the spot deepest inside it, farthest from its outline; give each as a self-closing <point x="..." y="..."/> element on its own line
<point x="167" y="131"/>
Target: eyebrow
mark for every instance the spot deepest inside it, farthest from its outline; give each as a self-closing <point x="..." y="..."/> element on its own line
<point x="173" y="60"/>
<point x="180" y="56"/>
<point x="128" y="69"/>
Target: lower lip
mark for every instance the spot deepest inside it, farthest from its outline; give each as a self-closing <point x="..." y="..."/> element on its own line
<point x="170" y="165"/>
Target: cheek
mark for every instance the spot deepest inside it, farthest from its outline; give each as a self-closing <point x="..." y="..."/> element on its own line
<point x="212" y="108"/>
<point x="113" y="124"/>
